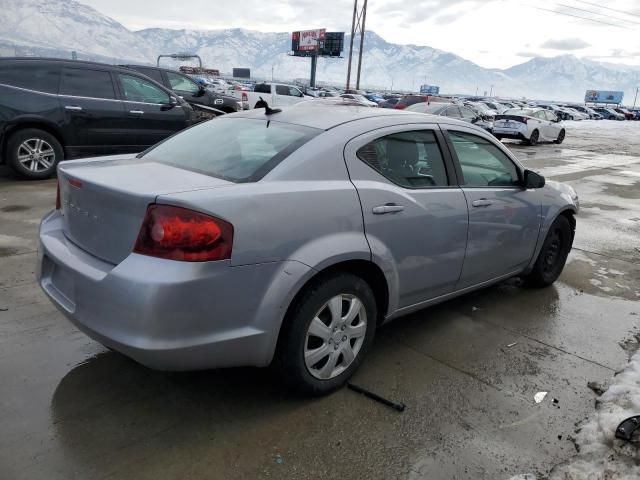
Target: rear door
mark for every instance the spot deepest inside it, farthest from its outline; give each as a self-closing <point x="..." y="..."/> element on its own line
<point x="151" y="116"/>
<point x="95" y="120"/>
<point x="415" y="216"/>
<point x="504" y="218"/>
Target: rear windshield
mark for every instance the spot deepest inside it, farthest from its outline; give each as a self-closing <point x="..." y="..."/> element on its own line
<point x="234" y="149"/>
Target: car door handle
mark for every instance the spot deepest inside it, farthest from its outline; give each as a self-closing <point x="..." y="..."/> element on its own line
<point x="136" y="112"/>
<point x="483" y="202"/>
<point x="73" y="108"/>
<point x="388" y="208"/>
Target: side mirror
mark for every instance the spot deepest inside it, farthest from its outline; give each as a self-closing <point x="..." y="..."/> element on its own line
<point x="533" y="180"/>
<point x="475" y="119"/>
<point x="201" y="91"/>
<point x="173" y="101"/>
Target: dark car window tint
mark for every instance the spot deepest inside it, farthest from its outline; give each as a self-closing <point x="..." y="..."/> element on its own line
<point x="235" y="149"/>
<point x="182" y="83"/>
<point x="86" y="83"/>
<point x="135" y="89"/>
<point x="42" y="78"/>
<point x="282" y="90"/>
<point x="483" y="164"/>
<point x="262" y="88"/>
<point x="409" y="159"/>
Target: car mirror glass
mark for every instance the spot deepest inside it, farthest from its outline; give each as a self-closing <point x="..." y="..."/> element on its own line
<point x="533" y="179"/>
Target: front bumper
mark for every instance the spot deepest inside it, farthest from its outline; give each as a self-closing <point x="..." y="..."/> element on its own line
<point x="166" y="314"/>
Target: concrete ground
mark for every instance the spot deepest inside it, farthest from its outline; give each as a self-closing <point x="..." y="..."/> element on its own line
<point x="467" y="369"/>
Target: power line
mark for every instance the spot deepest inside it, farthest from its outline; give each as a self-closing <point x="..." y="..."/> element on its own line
<point x="598" y="13"/>
<point x="608" y="8"/>
<point x="580" y="17"/>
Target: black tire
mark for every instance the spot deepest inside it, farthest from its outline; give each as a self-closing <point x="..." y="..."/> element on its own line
<point x="553" y="255"/>
<point x="290" y="356"/>
<point x="24" y="142"/>
<point x="561" y="136"/>
<point x="535" y="136"/>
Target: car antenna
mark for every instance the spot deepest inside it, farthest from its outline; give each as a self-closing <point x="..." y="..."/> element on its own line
<point x="268" y="110"/>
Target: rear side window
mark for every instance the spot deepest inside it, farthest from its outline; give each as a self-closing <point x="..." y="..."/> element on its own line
<point x="409" y="159"/>
<point x="262" y="88"/>
<point x="41" y="78"/>
<point x="86" y="83"/>
<point x="235" y="149"/>
<point x="482" y="163"/>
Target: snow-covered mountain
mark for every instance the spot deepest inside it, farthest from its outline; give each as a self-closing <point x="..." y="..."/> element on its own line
<point x="57" y="27"/>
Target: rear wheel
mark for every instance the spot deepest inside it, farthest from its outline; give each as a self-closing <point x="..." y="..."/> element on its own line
<point x="560" y="138"/>
<point x="535" y="136"/>
<point x="33" y="153"/>
<point x="326" y="334"/>
<point x="553" y="254"/>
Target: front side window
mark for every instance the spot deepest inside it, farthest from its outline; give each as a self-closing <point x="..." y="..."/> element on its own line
<point x="182" y="83"/>
<point x="409" y="159"/>
<point x="483" y="164"/>
<point x="41" y="78"/>
<point x="282" y="90"/>
<point x="454" y="112"/>
<point x="235" y="149"/>
<point x="467" y="113"/>
<point x="80" y="82"/>
<point x="294" y="92"/>
<point x="135" y="89"/>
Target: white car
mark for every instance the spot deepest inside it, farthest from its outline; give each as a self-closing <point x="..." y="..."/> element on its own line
<point x="275" y="94"/>
<point x="531" y="125"/>
<point x="361" y="99"/>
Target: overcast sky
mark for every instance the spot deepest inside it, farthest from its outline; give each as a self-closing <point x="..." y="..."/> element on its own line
<point x="492" y="33"/>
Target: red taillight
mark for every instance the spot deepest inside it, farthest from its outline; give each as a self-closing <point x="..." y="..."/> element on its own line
<point x="400" y="106"/>
<point x="58" y="202"/>
<point x="177" y="233"/>
<point x="245" y="97"/>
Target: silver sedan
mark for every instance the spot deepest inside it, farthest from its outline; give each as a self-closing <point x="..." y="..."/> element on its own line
<point x="288" y="236"/>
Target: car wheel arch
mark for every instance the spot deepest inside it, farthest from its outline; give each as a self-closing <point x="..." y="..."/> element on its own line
<point x="30" y="123"/>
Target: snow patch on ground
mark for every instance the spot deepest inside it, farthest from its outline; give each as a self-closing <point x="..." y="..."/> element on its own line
<point x="601" y="455"/>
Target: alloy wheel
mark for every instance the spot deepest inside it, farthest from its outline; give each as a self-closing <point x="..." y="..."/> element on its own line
<point x="36" y="155"/>
<point x="335" y="336"/>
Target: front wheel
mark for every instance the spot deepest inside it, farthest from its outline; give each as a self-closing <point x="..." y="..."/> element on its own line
<point x="535" y="136"/>
<point x="326" y="334"/>
<point x="553" y="255"/>
<point x="560" y="138"/>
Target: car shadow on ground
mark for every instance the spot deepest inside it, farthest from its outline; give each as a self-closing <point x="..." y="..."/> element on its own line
<point x="110" y="406"/>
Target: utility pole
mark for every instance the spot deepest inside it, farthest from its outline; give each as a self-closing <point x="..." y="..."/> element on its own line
<point x="634" y="100"/>
<point x="357" y="26"/>
<point x="491" y="92"/>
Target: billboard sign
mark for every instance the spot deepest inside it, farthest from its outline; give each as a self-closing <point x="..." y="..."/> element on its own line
<point x="603" y="96"/>
<point x="308" y="40"/>
<point x="430" y="89"/>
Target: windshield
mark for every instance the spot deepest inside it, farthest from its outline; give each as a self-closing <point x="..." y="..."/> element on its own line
<point x="235" y="149"/>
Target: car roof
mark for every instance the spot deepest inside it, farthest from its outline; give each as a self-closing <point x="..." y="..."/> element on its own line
<point x="65" y="62"/>
<point x="324" y="115"/>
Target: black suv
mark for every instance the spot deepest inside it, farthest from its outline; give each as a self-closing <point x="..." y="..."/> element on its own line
<point x="188" y="89"/>
<point x="52" y="110"/>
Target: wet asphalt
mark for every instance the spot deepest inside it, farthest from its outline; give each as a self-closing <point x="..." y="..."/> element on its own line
<point x="467" y="369"/>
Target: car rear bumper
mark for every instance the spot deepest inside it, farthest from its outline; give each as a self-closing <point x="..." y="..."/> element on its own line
<point x="166" y="314"/>
<point x="508" y="134"/>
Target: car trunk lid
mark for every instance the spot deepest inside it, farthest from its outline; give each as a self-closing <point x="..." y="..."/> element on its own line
<point x="104" y="202"/>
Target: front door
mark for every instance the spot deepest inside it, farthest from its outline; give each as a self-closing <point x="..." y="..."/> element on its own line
<point x="504" y="218"/>
<point x="415" y="216"/>
<point x="151" y="117"/>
